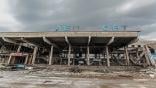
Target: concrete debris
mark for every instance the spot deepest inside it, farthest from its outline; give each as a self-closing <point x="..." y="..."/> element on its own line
<point x="76" y="72"/>
<point x="2" y="66"/>
<point x="75" y="69"/>
<point x="1" y="76"/>
<point x="28" y="68"/>
<point x="149" y="71"/>
<point x="152" y="75"/>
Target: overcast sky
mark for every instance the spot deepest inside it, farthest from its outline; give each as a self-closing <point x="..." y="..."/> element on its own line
<point x="42" y="15"/>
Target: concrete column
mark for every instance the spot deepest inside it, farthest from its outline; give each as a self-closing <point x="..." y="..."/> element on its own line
<point x="13" y="60"/>
<point x="107" y="56"/>
<point x="51" y="56"/>
<point x="148" y="56"/>
<point x="104" y="56"/>
<point x="69" y="52"/>
<point x="3" y="60"/>
<point x="127" y="56"/>
<point x="34" y="55"/>
<point x="137" y="53"/>
<point x="26" y="59"/>
<point x="19" y="48"/>
<point x="9" y="59"/>
<point x="30" y="59"/>
<point x="88" y="56"/>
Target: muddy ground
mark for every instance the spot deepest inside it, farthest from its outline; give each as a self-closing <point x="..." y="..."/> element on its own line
<point x="59" y="79"/>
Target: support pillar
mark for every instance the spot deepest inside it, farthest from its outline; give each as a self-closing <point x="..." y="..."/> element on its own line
<point x="127" y="56"/>
<point x="137" y="54"/>
<point x="30" y="59"/>
<point x="9" y="59"/>
<point x="104" y="56"/>
<point x="107" y="56"/>
<point x="88" y="56"/>
<point x="3" y="60"/>
<point x="26" y="59"/>
<point x="19" y="48"/>
<point x="34" y="55"/>
<point x="51" y="56"/>
<point x="13" y="58"/>
<point x="69" y="52"/>
<point x="149" y="59"/>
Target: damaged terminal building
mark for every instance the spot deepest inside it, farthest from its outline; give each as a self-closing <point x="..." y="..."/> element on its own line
<point x="73" y="48"/>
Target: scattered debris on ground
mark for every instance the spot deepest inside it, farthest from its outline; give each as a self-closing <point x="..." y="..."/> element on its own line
<point x="75" y="69"/>
<point x="78" y="72"/>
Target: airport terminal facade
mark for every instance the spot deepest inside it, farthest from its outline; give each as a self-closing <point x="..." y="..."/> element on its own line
<point x="72" y="48"/>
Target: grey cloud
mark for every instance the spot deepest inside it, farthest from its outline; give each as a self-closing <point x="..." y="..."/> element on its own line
<point x="43" y="15"/>
<point x="147" y="12"/>
<point x="148" y="29"/>
<point x="4" y="29"/>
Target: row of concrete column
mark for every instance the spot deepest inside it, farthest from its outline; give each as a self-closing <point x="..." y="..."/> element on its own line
<point x="69" y="50"/>
<point x="34" y="56"/>
<point x="18" y="51"/>
<point x="35" y="49"/>
<point x="69" y="55"/>
<point x="50" y="55"/>
<point x="88" y="55"/>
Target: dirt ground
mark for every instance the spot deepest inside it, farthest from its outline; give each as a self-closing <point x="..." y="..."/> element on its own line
<point x="56" y="79"/>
